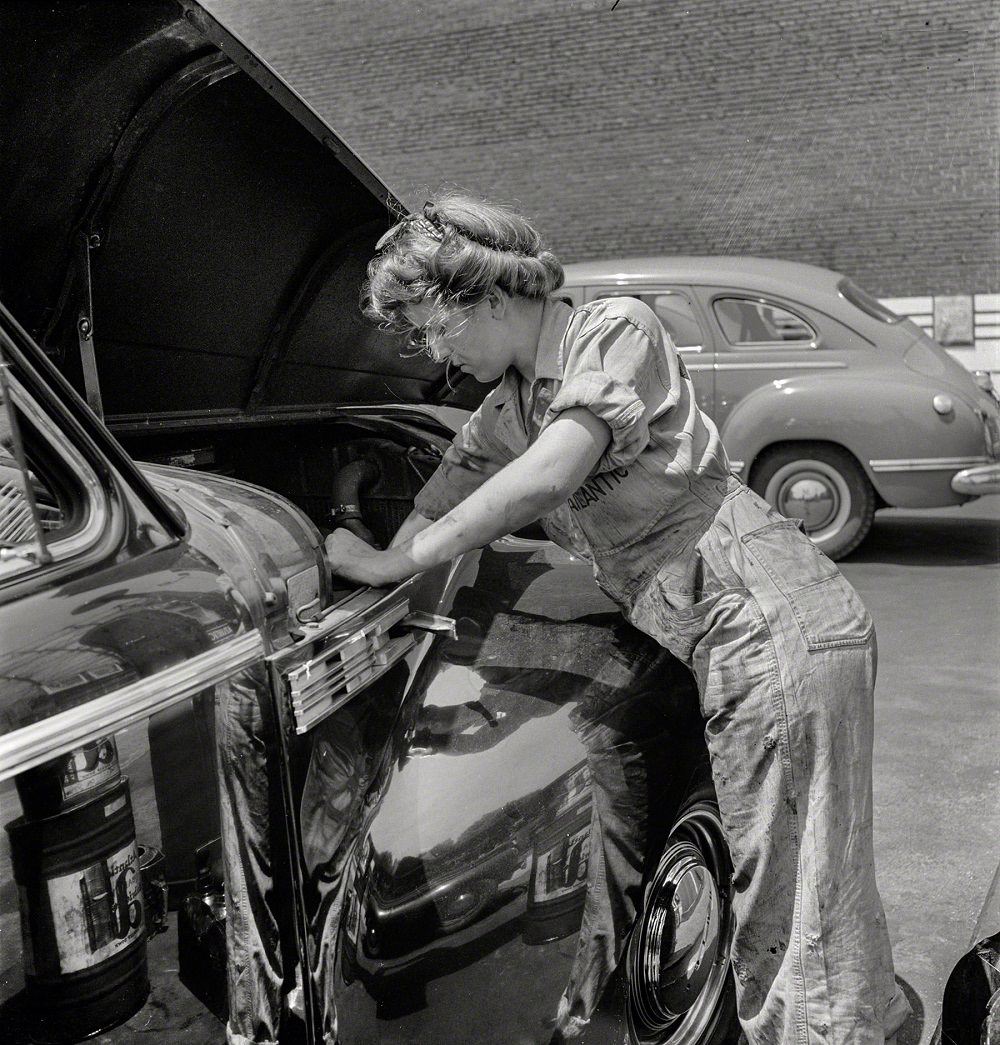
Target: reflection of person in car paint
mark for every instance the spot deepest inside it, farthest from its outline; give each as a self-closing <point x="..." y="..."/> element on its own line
<point x="611" y="678"/>
<point x="595" y="424"/>
<point x="335" y="782"/>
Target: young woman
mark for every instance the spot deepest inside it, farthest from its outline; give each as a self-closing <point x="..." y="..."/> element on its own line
<point x="594" y="430"/>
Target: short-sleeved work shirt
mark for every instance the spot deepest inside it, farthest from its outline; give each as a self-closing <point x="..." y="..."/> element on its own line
<point x="664" y="473"/>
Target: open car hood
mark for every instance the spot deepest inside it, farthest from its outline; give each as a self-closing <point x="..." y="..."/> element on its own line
<point x="171" y="206"/>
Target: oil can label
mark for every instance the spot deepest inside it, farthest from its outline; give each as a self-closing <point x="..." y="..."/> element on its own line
<point x="97" y="911"/>
<point x="89" y="768"/>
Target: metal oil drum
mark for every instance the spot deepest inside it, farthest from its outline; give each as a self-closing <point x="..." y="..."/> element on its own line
<point x="82" y="922"/>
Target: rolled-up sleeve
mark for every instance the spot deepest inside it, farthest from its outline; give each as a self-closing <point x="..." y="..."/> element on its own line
<point x="617" y="365"/>
<point x="472" y="458"/>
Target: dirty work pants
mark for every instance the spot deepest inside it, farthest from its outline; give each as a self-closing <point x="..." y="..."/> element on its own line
<point x="783" y="652"/>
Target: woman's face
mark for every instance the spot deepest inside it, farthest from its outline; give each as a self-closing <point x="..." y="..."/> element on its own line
<point x="471" y="339"/>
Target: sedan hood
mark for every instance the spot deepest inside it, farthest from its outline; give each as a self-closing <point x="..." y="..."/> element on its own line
<point x="174" y="210"/>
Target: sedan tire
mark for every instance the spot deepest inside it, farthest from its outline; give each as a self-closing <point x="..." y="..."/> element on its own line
<point x="824" y="486"/>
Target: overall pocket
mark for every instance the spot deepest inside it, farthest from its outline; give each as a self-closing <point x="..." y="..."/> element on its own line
<point x="827" y="609"/>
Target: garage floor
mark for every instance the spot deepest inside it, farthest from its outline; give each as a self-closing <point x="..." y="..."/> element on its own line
<point x="172" y="1014"/>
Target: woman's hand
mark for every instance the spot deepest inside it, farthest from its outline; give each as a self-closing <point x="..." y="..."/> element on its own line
<point x="355" y="560"/>
<point x="528" y="487"/>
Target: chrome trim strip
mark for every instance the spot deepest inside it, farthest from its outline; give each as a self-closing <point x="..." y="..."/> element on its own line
<point x="926" y="464"/>
<point x="736" y="468"/>
<point x="781" y="364"/>
<point x="28" y="747"/>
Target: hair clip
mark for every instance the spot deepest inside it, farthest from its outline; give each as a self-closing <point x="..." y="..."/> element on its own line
<point x="483" y="241"/>
<point x="427" y="226"/>
<point x="418" y="221"/>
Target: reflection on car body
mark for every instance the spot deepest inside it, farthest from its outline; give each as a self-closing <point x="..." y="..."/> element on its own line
<point x="970" y="1005"/>
<point x="428" y="811"/>
<point x="829" y="405"/>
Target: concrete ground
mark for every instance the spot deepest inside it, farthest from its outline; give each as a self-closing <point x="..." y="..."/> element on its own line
<point x="932" y="583"/>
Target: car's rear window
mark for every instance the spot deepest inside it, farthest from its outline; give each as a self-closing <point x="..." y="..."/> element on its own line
<point x="673" y="311"/>
<point x="867" y="302"/>
<point x="747" y="321"/>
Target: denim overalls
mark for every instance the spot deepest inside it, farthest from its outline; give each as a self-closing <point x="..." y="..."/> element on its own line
<point x="782" y="649"/>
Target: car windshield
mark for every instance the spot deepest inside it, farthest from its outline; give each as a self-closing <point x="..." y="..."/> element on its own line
<point x="867" y="302"/>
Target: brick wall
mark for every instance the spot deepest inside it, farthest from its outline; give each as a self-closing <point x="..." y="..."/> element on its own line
<point x="858" y="134"/>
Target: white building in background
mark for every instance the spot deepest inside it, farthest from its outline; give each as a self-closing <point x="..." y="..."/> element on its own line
<point x="967" y="325"/>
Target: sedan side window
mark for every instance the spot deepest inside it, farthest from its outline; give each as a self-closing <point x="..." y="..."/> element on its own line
<point x="749" y="322"/>
<point x="675" y="313"/>
<point x="49" y="501"/>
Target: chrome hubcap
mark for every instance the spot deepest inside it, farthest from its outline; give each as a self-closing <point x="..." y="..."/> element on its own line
<point x="678" y="954"/>
<point x="686" y="938"/>
<point x="814" y="492"/>
<point x="810" y="499"/>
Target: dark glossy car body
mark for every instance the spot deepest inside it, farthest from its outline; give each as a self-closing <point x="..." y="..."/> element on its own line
<point x="829" y="405"/>
<point x="970" y="1008"/>
<point x="183" y="245"/>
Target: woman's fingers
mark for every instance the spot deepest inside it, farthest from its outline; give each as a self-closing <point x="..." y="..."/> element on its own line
<point x="348" y="555"/>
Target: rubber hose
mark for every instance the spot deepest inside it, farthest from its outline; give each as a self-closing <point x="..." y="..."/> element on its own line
<point x="346" y="494"/>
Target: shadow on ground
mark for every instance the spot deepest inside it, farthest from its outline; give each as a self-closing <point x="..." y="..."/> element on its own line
<point x="912" y="1030"/>
<point x="914" y="540"/>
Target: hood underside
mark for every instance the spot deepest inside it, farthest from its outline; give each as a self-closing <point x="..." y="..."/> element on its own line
<point x="161" y="183"/>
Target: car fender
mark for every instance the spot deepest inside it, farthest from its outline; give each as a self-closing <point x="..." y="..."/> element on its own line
<point x="970" y="1005"/>
<point x="890" y="427"/>
<point x="269" y="549"/>
<point x="471" y="866"/>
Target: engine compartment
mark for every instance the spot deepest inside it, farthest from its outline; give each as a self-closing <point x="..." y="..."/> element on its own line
<point x="321" y="467"/>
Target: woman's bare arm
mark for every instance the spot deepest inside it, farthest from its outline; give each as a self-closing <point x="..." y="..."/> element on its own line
<point x="537" y="482"/>
<point x="412" y="525"/>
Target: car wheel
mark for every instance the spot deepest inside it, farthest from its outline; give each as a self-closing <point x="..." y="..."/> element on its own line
<point x="824" y="486"/>
<point x="679" y="984"/>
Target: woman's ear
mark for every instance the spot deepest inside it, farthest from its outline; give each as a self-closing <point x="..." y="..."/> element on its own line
<point x="498" y="300"/>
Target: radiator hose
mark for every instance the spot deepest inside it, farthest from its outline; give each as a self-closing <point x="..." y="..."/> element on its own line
<point x="346" y="494"/>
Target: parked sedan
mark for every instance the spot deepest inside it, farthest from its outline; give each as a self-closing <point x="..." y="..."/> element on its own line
<point x="421" y="772"/>
<point x="830" y="405"/>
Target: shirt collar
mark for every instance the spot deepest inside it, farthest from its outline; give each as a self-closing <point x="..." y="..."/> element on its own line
<point x="548" y="357"/>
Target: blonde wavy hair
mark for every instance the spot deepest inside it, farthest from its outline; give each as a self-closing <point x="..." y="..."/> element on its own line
<point x="451" y="255"/>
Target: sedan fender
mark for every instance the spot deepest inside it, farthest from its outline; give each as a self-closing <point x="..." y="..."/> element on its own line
<point x="874" y="422"/>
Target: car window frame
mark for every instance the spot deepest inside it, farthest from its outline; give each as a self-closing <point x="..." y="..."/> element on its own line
<point x="97" y="520"/>
<point x="598" y="292"/>
<point x="814" y="343"/>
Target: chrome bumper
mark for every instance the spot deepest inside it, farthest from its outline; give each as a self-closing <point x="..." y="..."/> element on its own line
<point x="977" y="482"/>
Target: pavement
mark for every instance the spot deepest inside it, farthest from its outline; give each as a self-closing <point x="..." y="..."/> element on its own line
<point x="932" y="583"/>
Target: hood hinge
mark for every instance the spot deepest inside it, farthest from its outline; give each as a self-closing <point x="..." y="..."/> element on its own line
<point x="85" y="243"/>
